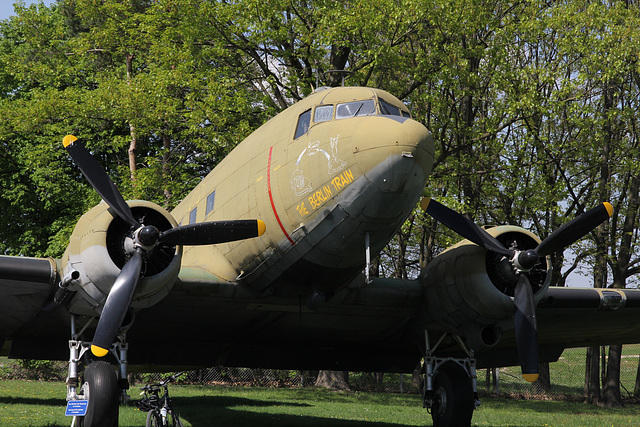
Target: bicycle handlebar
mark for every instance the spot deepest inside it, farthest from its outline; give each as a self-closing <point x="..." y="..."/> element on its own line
<point x="170" y="379"/>
<point x="162" y="383"/>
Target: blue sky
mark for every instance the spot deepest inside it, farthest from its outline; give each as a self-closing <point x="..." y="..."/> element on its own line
<point x="6" y="6"/>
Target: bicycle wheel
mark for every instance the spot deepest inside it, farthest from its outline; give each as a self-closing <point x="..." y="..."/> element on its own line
<point x="153" y="419"/>
<point x="173" y="420"/>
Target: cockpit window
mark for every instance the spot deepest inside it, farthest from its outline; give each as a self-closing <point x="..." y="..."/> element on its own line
<point x="389" y="110"/>
<point x="323" y="113"/>
<point x="303" y="124"/>
<point x="356" y="109"/>
<point x="367" y="107"/>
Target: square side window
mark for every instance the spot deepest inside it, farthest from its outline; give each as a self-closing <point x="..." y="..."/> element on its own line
<point x="211" y="198"/>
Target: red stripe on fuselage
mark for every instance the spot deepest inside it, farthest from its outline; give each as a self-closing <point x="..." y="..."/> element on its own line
<point x="273" y="206"/>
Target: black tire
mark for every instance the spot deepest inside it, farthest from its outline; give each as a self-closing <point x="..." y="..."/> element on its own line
<point x="454" y="403"/>
<point x="103" y="407"/>
<point x="173" y="419"/>
<point x="153" y="419"/>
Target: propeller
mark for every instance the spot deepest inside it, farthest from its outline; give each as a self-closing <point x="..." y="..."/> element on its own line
<point x="526" y="328"/>
<point x="145" y="238"/>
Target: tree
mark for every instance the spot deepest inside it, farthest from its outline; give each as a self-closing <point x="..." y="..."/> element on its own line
<point x="335" y="380"/>
<point x="532" y="106"/>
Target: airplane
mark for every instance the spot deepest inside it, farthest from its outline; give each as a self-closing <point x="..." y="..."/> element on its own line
<point x="264" y="265"/>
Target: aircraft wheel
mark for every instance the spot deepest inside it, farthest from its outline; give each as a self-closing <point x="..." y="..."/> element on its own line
<point x="454" y="401"/>
<point x="101" y="389"/>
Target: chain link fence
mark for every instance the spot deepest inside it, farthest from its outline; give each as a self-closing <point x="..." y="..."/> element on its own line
<point x="566" y="377"/>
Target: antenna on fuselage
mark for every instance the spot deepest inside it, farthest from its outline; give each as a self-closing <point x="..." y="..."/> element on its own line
<point x="342" y="74"/>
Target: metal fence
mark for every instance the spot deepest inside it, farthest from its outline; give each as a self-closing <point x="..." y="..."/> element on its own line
<point x="567" y="377"/>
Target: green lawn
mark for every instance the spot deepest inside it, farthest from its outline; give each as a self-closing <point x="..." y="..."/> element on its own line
<point x="32" y="403"/>
<point x="567" y="374"/>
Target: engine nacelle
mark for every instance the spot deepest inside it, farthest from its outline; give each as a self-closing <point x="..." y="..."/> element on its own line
<point x="97" y="251"/>
<point x="469" y="290"/>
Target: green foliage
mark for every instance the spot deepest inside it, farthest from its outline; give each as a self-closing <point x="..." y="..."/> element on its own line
<point x="532" y="105"/>
<point x="36" y="370"/>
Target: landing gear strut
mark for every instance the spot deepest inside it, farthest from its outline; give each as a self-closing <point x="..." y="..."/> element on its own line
<point x="449" y="390"/>
<point x="101" y="386"/>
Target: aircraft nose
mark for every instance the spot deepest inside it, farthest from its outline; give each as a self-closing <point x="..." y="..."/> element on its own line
<point x="395" y="153"/>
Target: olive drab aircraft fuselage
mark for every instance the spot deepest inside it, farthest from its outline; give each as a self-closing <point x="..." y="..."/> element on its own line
<point x="264" y="264"/>
<point x="332" y="168"/>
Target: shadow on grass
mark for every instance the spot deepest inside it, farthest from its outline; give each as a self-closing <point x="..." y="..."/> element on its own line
<point x="237" y="411"/>
<point x="311" y="408"/>
<point x="32" y="401"/>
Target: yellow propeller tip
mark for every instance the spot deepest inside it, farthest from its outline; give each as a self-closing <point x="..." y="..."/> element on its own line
<point x="99" y="351"/>
<point x="68" y="140"/>
<point x="262" y="227"/>
<point x="530" y="377"/>
<point x="424" y="203"/>
<point x="609" y="208"/>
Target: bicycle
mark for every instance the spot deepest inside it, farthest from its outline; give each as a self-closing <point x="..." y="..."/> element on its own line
<point x="158" y="406"/>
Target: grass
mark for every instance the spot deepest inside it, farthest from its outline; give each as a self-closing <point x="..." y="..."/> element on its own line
<point x="32" y="403"/>
<point x="567" y="374"/>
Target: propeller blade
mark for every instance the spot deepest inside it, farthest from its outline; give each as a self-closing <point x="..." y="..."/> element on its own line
<point x="575" y="229"/>
<point x="526" y="328"/>
<point x="207" y="233"/>
<point x="117" y="304"/>
<point x="98" y="178"/>
<point x="463" y="226"/>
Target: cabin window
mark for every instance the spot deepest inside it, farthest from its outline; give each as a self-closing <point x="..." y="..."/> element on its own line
<point x="356" y="109"/>
<point x="323" y="113"/>
<point x="211" y="198"/>
<point x="303" y="124"/>
<point x="192" y="215"/>
<point x="388" y="109"/>
<point x="405" y="114"/>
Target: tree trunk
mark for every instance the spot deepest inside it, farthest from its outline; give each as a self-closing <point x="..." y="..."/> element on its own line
<point x="543" y="384"/>
<point x="493" y="376"/>
<point x="611" y="386"/>
<point x="416" y="376"/>
<point x="636" y="389"/>
<point x="133" y="145"/>
<point x="592" y="376"/>
<point x="166" y="169"/>
<point x="335" y="380"/>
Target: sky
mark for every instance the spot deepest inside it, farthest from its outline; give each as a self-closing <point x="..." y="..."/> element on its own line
<point x="6" y="7"/>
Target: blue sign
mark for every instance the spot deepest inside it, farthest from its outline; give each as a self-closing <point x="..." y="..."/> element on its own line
<point x="76" y="408"/>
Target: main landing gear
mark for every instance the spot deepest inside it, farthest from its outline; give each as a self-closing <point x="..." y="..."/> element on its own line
<point x="101" y="386"/>
<point x="449" y="390"/>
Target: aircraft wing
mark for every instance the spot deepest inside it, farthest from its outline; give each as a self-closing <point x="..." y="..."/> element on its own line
<point x="581" y="317"/>
<point x="26" y="284"/>
<point x="575" y="317"/>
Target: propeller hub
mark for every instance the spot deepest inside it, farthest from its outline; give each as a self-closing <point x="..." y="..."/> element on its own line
<point x="525" y="260"/>
<point x="147" y="236"/>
